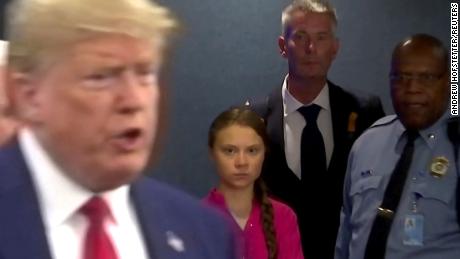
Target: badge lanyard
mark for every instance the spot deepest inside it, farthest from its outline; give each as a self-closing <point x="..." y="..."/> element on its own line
<point x="413" y="224"/>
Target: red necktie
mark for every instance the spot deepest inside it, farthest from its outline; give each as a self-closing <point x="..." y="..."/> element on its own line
<point x="97" y="243"/>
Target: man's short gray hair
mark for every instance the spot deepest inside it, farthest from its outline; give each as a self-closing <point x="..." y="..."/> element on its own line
<point x="306" y="6"/>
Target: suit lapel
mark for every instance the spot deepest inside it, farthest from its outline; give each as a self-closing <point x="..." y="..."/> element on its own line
<point x="148" y="213"/>
<point x="22" y="233"/>
<point x="156" y="224"/>
<point x="275" y="116"/>
<point x="341" y="107"/>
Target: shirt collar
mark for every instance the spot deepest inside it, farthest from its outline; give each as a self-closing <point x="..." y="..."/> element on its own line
<point x="434" y="131"/>
<point x="217" y="198"/>
<point x="429" y="134"/>
<point x="291" y="104"/>
<point x="60" y="197"/>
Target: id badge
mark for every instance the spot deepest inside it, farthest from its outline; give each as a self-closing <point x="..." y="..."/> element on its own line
<point x="413" y="230"/>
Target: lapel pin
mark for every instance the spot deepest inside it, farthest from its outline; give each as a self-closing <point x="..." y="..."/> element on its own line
<point x="175" y="242"/>
<point x="439" y="166"/>
<point x="352" y="122"/>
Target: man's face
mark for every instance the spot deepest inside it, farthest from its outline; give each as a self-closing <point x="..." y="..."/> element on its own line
<point x="419" y="87"/>
<point x="309" y="45"/>
<point x="95" y="110"/>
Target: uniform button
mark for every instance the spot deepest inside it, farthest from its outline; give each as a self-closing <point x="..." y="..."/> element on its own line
<point x="414" y="178"/>
<point x="431" y="136"/>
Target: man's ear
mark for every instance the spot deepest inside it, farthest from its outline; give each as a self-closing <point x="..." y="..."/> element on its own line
<point x="22" y="92"/>
<point x="282" y="46"/>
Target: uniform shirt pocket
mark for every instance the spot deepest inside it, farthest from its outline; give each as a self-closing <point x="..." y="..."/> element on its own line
<point x="364" y="184"/>
<point x="434" y="190"/>
<point x="365" y="195"/>
<point x="435" y="200"/>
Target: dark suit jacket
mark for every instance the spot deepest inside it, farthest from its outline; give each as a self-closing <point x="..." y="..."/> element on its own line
<point x="160" y="209"/>
<point x="316" y="199"/>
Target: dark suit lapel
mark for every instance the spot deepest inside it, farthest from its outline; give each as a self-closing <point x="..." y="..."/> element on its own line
<point x="275" y="116"/>
<point x="148" y="213"/>
<point x="278" y="175"/>
<point x="341" y="107"/>
<point x="22" y="233"/>
<point x="156" y="224"/>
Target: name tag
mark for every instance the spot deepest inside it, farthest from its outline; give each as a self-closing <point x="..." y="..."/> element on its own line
<point x="413" y="230"/>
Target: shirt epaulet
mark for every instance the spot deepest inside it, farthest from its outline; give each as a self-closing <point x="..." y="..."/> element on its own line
<point x="387" y="120"/>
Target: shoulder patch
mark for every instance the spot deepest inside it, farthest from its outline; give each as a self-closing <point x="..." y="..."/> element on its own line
<point x="384" y="121"/>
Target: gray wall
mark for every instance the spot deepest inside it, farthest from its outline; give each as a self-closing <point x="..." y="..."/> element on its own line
<point x="228" y="53"/>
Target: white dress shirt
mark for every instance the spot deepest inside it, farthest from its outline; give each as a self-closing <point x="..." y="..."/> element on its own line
<point x="294" y="123"/>
<point x="60" y="198"/>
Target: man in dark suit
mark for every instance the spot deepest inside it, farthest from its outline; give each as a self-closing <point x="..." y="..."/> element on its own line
<point x="84" y="76"/>
<point x="307" y="158"/>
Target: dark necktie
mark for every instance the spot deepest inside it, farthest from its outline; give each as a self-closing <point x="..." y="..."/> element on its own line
<point x="312" y="152"/>
<point x="97" y="243"/>
<point x="376" y="244"/>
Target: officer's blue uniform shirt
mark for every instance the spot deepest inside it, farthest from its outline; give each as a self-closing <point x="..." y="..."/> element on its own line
<point x="427" y="198"/>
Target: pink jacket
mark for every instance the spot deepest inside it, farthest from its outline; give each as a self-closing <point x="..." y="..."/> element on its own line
<point x="287" y="230"/>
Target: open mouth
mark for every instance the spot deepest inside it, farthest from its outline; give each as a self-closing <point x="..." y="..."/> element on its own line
<point x="131" y="133"/>
<point x="129" y="140"/>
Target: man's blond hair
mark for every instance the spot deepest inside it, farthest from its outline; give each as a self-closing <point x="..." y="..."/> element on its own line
<point x="41" y="29"/>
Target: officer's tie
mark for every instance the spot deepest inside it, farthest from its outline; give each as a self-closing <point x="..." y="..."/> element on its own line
<point x="376" y="244"/>
<point x="312" y="152"/>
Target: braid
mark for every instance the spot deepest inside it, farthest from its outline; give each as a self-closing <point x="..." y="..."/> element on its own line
<point x="267" y="217"/>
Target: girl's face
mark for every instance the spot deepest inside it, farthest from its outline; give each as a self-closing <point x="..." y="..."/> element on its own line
<point x="238" y="153"/>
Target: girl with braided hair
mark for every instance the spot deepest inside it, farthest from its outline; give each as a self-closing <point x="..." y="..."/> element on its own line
<point x="268" y="228"/>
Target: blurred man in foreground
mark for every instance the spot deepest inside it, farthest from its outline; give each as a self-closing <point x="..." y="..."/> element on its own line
<point x="85" y="82"/>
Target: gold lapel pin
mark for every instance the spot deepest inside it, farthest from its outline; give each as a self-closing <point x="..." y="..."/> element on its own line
<point x="352" y="122"/>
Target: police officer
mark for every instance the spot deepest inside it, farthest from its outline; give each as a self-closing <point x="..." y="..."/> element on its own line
<point x="400" y="187"/>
